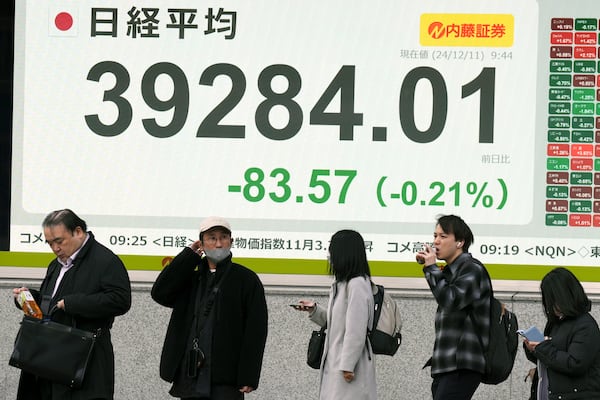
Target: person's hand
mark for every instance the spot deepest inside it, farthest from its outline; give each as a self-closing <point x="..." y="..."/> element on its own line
<point x="197" y="247"/>
<point x="17" y="291"/>
<point x="530" y="345"/>
<point x="246" y="389"/>
<point x="427" y="256"/>
<point x="305" y="305"/>
<point x="61" y="304"/>
<point x="348" y="376"/>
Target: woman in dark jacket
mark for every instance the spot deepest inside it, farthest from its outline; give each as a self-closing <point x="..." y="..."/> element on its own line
<point x="569" y="356"/>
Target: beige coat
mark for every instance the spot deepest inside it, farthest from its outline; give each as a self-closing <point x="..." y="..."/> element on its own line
<point x="348" y="315"/>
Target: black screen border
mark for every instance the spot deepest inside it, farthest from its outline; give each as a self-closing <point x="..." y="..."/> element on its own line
<point x="7" y="25"/>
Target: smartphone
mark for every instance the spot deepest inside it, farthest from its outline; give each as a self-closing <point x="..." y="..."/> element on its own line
<point x="533" y="334"/>
<point x="300" y="307"/>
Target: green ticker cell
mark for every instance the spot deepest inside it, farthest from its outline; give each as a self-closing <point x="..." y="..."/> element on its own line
<point x="584" y="95"/>
<point x="580" y="206"/>
<point x="559" y="122"/>
<point x="583" y="108"/>
<point x="559" y="94"/>
<point x="584" y="66"/>
<point x="557" y="164"/>
<point x="597" y="164"/>
<point x="598" y="109"/>
<point x="582" y="123"/>
<point x="558" y="136"/>
<point x="557" y="192"/>
<point x="557" y="220"/>
<point x="560" y="80"/>
<point x="582" y="137"/>
<point x="586" y="24"/>
<point x="561" y="66"/>
<point x="561" y="108"/>
<point x="581" y="178"/>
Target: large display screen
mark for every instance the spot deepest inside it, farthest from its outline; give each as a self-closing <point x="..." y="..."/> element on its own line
<point x="294" y="119"/>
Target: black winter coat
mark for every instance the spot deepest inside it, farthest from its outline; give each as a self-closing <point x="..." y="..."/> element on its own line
<point x="95" y="290"/>
<point x="240" y="325"/>
<point x="572" y="358"/>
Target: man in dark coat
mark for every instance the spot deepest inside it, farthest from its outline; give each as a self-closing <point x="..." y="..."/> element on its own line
<point x="87" y="285"/>
<point x="216" y="337"/>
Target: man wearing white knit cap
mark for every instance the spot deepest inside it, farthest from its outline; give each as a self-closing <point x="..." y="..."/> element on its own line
<point x="216" y="337"/>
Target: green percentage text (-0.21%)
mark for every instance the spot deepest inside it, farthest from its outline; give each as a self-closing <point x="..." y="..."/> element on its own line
<point x="438" y="193"/>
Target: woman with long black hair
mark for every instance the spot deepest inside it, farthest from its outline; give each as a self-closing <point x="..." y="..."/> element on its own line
<point x="348" y="365"/>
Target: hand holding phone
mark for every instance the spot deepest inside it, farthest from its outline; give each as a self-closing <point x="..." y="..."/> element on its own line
<point x="533" y="334"/>
<point x="303" y="306"/>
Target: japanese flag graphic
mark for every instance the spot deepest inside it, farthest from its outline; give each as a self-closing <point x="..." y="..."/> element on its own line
<point x="63" y="19"/>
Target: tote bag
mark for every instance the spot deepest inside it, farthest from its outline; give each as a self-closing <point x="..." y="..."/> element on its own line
<point x="53" y="351"/>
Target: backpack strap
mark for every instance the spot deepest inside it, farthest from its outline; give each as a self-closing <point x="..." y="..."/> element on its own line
<point x="378" y="299"/>
<point x="487" y="275"/>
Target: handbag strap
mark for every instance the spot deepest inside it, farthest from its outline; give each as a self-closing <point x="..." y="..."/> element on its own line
<point x="210" y="300"/>
<point x="54" y="309"/>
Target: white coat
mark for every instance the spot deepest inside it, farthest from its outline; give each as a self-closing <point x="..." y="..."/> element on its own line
<point x="348" y="315"/>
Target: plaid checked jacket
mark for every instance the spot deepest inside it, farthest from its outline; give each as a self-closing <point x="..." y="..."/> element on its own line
<point x="462" y="319"/>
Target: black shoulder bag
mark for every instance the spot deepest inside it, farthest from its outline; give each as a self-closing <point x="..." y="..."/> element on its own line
<point x="56" y="352"/>
<point x="316" y="344"/>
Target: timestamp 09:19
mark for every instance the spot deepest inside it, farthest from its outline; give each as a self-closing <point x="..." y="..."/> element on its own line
<point x="499" y="249"/>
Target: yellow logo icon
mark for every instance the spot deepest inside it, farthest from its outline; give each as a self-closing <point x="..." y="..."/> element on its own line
<point x="467" y="30"/>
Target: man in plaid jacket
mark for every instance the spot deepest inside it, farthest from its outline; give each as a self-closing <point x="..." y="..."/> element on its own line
<point x="462" y="321"/>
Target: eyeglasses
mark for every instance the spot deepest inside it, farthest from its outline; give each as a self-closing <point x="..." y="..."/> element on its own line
<point x="212" y="238"/>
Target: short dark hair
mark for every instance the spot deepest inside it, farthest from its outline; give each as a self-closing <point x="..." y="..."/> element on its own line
<point x="455" y="225"/>
<point x="347" y="256"/>
<point x="64" y="217"/>
<point x="562" y="291"/>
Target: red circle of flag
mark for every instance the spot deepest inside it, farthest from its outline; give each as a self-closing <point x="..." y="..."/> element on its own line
<point x="63" y="21"/>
